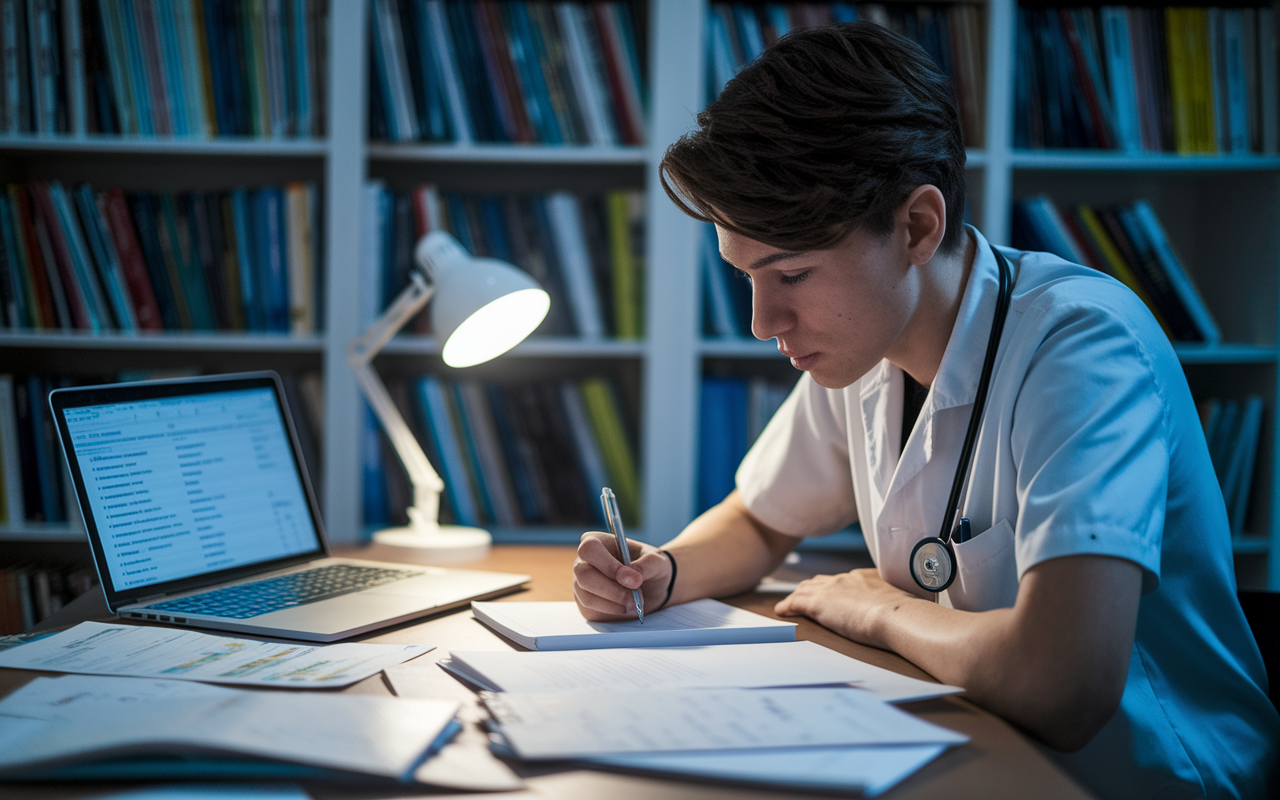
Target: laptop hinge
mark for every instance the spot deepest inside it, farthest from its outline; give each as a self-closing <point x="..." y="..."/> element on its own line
<point x="142" y="601"/>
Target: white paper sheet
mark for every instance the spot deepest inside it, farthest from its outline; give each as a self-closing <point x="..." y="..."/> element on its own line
<point x="61" y="720"/>
<point x="560" y="626"/>
<point x="96" y="648"/>
<point x="584" y="724"/>
<point x="729" y="666"/>
<point x="868" y="770"/>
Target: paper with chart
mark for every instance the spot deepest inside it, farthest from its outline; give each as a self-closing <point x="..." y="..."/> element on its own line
<point x="96" y="648"/>
<point x="583" y="724"/>
<point x="729" y="666"/>
<point x="560" y="626"/>
<point x="55" y="721"/>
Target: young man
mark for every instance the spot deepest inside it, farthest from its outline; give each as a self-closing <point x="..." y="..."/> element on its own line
<point x="1094" y="604"/>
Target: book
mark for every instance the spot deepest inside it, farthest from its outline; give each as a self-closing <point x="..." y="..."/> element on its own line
<point x="438" y="414"/>
<point x="216" y="731"/>
<point x="568" y="230"/>
<point x="1178" y="278"/>
<point x="560" y="626"/>
<point x="10" y="457"/>
<point x="1239" y="462"/>
<point x="722" y="437"/>
<point x="605" y="414"/>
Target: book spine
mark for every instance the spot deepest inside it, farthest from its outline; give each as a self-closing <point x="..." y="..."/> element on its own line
<point x="106" y="259"/>
<point x="11" y="114"/>
<point x="606" y="421"/>
<point x="171" y="64"/>
<point x="10" y="457"/>
<point x="52" y="309"/>
<point x="473" y="402"/>
<point x="1269" y="85"/>
<point x="1124" y="229"/>
<point x="585" y="79"/>
<point x="440" y="421"/>
<point x="1236" y="85"/>
<point x="1176" y="274"/>
<point x="1115" y="260"/>
<point x="113" y="209"/>
<point x="21" y="299"/>
<point x="302" y="317"/>
<point x="304" y="118"/>
<point x="74" y="67"/>
<point x="236" y="309"/>
<point x="1115" y="28"/>
<point x="502" y="80"/>
<point x="451" y="81"/>
<point x="49" y="231"/>
<point x="81" y="262"/>
<point x="575" y="262"/>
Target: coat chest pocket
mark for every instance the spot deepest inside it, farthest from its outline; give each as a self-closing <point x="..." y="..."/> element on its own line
<point x="987" y="571"/>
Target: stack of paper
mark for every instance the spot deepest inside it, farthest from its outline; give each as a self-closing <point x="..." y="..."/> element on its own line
<point x="747" y="703"/>
<point x="71" y="726"/>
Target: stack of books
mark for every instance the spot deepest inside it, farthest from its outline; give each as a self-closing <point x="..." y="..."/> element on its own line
<point x="181" y="68"/>
<point x="1185" y="80"/>
<point x="512" y="454"/>
<point x="243" y="260"/>
<point x="952" y="33"/>
<point x="1127" y="242"/>
<point x="528" y="72"/>
<point x="587" y="251"/>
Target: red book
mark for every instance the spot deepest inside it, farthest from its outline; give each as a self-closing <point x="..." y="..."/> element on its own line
<point x="47" y="219"/>
<point x="46" y="314"/>
<point x="493" y="43"/>
<point x="611" y="53"/>
<point x="112" y="207"/>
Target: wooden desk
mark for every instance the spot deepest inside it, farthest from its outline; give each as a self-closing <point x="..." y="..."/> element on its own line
<point x="998" y="761"/>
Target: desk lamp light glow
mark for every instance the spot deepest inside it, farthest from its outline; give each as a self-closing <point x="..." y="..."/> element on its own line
<point x="483" y="308"/>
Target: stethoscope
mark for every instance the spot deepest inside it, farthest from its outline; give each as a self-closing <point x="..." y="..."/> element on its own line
<point x="933" y="560"/>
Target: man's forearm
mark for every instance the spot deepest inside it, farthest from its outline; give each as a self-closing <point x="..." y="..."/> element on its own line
<point x="724" y="552"/>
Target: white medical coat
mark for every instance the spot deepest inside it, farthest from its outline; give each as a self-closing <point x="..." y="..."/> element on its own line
<point x="1090" y="444"/>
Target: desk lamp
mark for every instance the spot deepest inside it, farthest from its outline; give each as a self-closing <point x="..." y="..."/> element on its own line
<point x="483" y="307"/>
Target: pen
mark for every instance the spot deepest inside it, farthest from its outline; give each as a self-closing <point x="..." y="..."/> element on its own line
<point x="610" y="503"/>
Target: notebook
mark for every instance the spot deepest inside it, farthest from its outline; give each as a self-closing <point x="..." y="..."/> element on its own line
<point x="199" y="512"/>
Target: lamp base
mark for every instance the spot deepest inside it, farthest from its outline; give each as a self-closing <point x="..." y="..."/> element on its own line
<point x="446" y="544"/>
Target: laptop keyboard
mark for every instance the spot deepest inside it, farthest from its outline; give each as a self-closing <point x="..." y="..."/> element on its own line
<point x="262" y="597"/>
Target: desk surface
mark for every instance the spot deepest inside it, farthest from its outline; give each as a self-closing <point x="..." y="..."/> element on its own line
<point x="997" y="762"/>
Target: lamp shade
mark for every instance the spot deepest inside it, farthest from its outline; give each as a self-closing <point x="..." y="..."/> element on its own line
<point x="482" y="307"/>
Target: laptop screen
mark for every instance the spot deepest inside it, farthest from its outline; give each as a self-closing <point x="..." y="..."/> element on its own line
<point x="191" y="484"/>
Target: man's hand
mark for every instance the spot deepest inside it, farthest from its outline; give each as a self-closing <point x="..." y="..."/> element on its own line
<point x="602" y="584"/>
<point x="846" y="603"/>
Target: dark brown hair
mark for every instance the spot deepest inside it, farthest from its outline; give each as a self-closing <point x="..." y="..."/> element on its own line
<point x="830" y="129"/>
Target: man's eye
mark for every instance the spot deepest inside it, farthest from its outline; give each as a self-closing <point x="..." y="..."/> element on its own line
<point x="794" y="279"/>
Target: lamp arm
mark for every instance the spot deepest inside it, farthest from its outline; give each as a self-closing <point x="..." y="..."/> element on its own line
<point x="426" y="482"/>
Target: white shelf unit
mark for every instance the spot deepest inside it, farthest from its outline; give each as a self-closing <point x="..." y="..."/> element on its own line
<point x="1221" y="211"/>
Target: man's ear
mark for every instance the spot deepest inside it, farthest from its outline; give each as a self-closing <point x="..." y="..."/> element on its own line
<point x="923" y="219"/>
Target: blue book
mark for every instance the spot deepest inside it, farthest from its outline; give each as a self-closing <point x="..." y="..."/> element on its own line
<point x="722" y="437"/>
<point x="526" y="492"/>
<point x="193" y="286"/>
<point x="218" y="73"/>
<point x="471" y="453"/>
<point x="255" y="314"/>
<point x="87" y="282"/>
<point x="439" y="416"/>
<point x="537" y="97"/>
<point x="271" y="246"/>
<point x="301" y="71"/>
<point x="144" y="220"/>
<point x="138" y="72"/>
<point x="171" y="61"/>
<point x="374" y="499"/>
<point x="458" y="224"/>
<point x="494" y="218"/>
<point x="105" y="257"/>
<point x="481" y="95"/>
<point x="21" y="315"/>
<point x="51" y="501"/>
<point x="381" y="52"/>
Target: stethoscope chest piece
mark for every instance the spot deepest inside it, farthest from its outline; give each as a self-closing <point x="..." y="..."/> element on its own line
<point x="933" y="564"/>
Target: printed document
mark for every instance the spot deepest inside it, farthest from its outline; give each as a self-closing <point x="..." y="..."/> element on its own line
<point x="729" y="666"/>
<point x="560" y="626"/>
<point x="53" y="722"/>
<point x="584" y="724"/>
<point x="96" y="648"/>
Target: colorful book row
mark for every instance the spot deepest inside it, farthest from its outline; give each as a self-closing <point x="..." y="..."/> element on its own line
<point x="487" y="71"/>
<point x="1127" y="242"/>
<point x="732" y="413"/>
<point x="1233" y="429"/>
<point x="952" y="33"/>
<point x="1179" y="79"/>
<point x="513" y="454"/>
<point x="587" y="251"/>
<point x="243" y="260"/>
<point x="34" y="484"/>
<point x="180" y="68"/>
<point x="30" y="592"/>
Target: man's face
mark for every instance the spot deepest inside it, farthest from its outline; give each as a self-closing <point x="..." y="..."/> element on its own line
<point x="836" y="313"/>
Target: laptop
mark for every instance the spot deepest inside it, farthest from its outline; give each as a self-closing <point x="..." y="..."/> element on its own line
<point x="199" y="512"/>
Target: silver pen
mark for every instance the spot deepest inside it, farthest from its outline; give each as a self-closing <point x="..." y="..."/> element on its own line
<point x="611" y="515"/>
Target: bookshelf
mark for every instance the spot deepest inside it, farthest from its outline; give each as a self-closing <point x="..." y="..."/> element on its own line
<point x="1221" y="212"/>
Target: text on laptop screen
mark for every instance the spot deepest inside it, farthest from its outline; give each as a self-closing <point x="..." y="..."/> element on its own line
<point x="184" y="486"/>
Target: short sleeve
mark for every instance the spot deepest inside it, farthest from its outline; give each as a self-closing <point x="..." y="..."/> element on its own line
<point x="796" y="477"/>
<point x="1090" y="438"/>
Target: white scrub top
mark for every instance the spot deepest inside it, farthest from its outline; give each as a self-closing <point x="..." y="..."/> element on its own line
<point x="1090" y="444"/>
